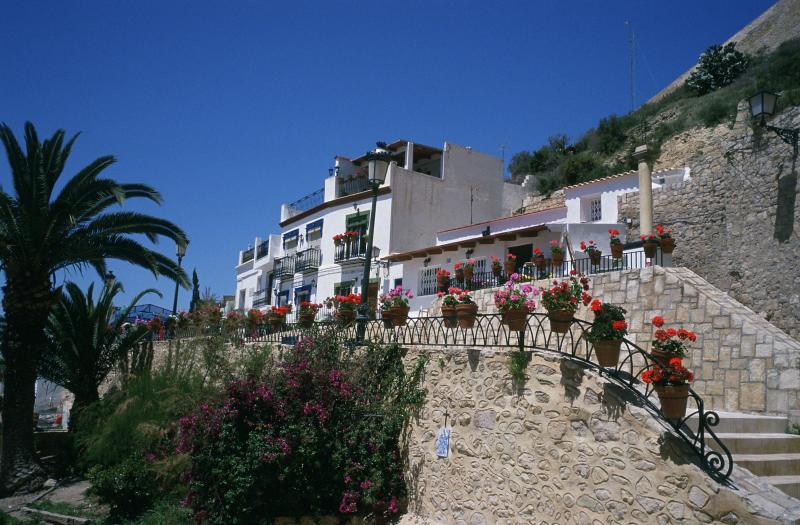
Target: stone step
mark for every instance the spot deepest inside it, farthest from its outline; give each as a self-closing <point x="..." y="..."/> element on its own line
<point x="789" y="485"/>
<point x="757" y="443"/>
<point x="733" y="422"/>
<point x="769" y="464"/>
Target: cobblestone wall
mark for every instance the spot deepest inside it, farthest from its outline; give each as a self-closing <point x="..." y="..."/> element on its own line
<point x="724" y="218"/>
<point x="741" y="362"/>
<point x="568" y="448"/>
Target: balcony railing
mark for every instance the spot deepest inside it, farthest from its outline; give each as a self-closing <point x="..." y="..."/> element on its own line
<point x="262" y="250"/>
<point x="306" y="203"/>
<point x="307" y="260"/>
<point x="353" y="185"/>
<point x="284" y="266"/>
<point x="351" y="250"/>
<point x="479" y="281"/>
<point x="248" y="255"/>
<point x="262" y="298"/>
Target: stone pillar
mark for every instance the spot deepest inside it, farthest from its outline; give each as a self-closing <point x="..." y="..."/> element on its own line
<point x="409" y="156"/>
<point x="645" y="192"/>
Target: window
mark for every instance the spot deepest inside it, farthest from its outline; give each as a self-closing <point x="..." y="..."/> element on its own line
<point x="398" y="282"/>
<point x="343" y="288"/>
<point x="242" y="296"/>
<point x="358" y="222"/>
<point x="427" y="281"/>
<point x="290" y="240"/>
<point x="314" y="231"/>
<point x="302" y="294"/>
<point x="591" y="209"/>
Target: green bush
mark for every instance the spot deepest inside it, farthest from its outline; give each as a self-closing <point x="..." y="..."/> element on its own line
<point x="129" y="487"/>
<point x="166" y="511"/>
<point x="581" y="167"/>
<point x="715" y="112"/>
<point x="718" y="67"/>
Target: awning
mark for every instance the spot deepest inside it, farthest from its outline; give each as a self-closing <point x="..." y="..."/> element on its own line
<point x="290" y="235"/>
<point x="312" y="227"/>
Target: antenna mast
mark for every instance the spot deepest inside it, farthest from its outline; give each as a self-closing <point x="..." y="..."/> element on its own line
<point x="632" y="58"/>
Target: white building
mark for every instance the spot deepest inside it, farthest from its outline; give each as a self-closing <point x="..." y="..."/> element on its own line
<point x="426" y="189"/>
<point x="589" y="211"/>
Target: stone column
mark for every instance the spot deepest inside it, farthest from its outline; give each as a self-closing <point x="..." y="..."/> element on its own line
<point x="409" y="156"/>
<point x="645" y="192"/>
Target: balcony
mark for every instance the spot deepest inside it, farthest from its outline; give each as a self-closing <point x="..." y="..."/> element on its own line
<point x="248" y="255"/>
<point x="305" y="203"/>
<point x="351" y="185"/>
<point x="284" y="267"/>
<point x="351" y="251"/>
<point x="262" y="250"/>
<point x="307" y="260"/>
<point x="262" y="298"/>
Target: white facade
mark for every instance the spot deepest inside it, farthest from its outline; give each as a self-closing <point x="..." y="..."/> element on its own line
<point x="426" y="189"/>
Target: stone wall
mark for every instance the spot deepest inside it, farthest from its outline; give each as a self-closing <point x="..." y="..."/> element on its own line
<point x="567" y="448"/>
<point x="724" y="218"/>
<point x="741" y="362"/>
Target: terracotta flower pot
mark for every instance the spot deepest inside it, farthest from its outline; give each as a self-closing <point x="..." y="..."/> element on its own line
<point x="540" y="262"/>
<point x="276" y="323"/>
<point x="399" y="315"/>
<point x="661" y="357"/>
<point x="449" y="314"/>
<point x="673" y="400"/>
<point x="307" y="319"/>
<point x="650" y="249"/>
<point x="616" y="250"/>
<point x="468" y="271"/>
<point x="459" y="274"/>
<point x="497" y="270"/>
<point x="386" y="317"/>
<point x="516" y="318"/>
<point x="594" y="257"/>
<point x="510" y="267"/>
<point x="466" y="313"/>
<point x="560" y="320"/>
<point x="558" y="258"/>
<point x="345" y="315"/>
<point x="667" y="245"/>
<point x="607" y="352"/>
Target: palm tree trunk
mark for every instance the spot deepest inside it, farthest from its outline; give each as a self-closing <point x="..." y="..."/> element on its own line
<point x="24" y="340"/>
<point x="83" y="400"/>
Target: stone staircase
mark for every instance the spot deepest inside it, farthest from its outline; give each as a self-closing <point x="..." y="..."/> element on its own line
<point x="761" y="445"/>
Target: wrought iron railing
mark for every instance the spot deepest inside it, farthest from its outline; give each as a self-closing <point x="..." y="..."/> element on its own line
<point x="478" y="281"/>
<point x="584" y="265"/>
<point x="353" y="185"/>
<point x="262" y="298"/>
<point x="284" y="266"/>
<point x="695" y="428"/>
<point x="354" y="250"/>
<point x="247" y="255"/>
<point x="307" y="260"/>
<point x="262" y="250"/>
<point x="306" y="203"/>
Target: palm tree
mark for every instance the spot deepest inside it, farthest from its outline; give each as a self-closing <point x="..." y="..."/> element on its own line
<point x="42" y="232"/>
<point x="87" y="339"/>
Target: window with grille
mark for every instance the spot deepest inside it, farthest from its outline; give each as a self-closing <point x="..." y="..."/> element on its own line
<point x="427" y="280"/>
<point x="595" y="210"/>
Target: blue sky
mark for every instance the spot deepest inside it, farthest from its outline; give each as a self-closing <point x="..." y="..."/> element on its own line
<point x="230" y="108"/>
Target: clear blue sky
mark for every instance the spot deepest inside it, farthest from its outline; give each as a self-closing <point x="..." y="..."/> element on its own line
<point x="230" y="108"/>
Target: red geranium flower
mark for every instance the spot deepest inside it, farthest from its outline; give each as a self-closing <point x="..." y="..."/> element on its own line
<point x="658" y="321"/>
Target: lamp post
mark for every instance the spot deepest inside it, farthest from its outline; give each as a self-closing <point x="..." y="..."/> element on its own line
<point x="180" y="251"/>
<point x="378" y="161"/>
<point x="762" y="105"/>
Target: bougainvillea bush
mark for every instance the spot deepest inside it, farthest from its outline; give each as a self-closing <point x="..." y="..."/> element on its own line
<point x="318" y="435"/>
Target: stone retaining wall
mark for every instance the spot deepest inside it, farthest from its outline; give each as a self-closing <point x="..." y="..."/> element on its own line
<point x="566" y="448"/>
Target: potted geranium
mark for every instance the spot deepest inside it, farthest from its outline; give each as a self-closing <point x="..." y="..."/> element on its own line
<point x="510" y="264"/>
<point x="469" y="269"/>
<point x="671" y="382"/>
<point x="346" y="307"/>
<point x="607" y="331"/>
<point x="556" y="252"/>
<point x="669" y="343"/>
<point x="615" y="242"/>
<point x="277" y="317"/>
<point x="399" y="305"/>
<point x="449" y="304"/>
<point x="458" y="269"/>
<point x="385" y="306"/>
<point x="666" y="240"/>
<point x="307" y="314"/>
<point x="561" y="302"/>
<point x="497" y="267"/>
<point x="591" y="250"/>
<point x="650" y="245"/>
<point x="515" y="302"/>
<point x="466" y="310"/>
<point x="338" y="239"/>
<point x="254" y="320"/>
<point x="538" y="258"/>
<point x="442" y="279"/>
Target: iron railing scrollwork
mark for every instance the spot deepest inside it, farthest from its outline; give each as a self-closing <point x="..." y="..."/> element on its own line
<point x="695" y="429"/>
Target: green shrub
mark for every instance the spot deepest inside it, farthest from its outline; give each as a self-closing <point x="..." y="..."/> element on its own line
<point x="581" y="167"/>
<point x="715" y="112"/>
<point x="718" y="66"/>
<point x="166" y="511"/>
<point x="129" y="487"/>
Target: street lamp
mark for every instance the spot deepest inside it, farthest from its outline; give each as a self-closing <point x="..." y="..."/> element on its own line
<point x="180" y="251"/>
<point x="378" y="161"/>
<point x="762" y="106"/>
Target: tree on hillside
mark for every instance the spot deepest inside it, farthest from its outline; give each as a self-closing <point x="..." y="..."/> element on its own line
<point x="581" y="167"/>
<point x="42" y="232"/>
<point x="86" y="340"/>
<point x="718" y="66"/>
<point x="195" y="302"/>
<point x="543" y="160"/>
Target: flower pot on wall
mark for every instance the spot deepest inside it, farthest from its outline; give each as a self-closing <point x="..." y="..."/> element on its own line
<point x="466" y="314"/>
<point x="449" y="315"/>
<point x="667" y="245"/>
<point x="673" y="400"/>
<point x="307" y="319"/>
<point x="468" y="271"/>
<point x="386" y="317"/>
<point x="616" y="251"/>
<point x="399" y="315"/>
<point x="607" y="352"/>
<point x="510" y="267"/>
<point x="460" y="275"/>
<point x="595" y="256"/>
<point x="516" y="318"/>
<point x="560" y="320"/>
<point x="540" y="262"/>
<point x="650" y="249"/>
<point x="497" y="271"/>
<point x="345" y="316"/>
<point x="558" y="258"/>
